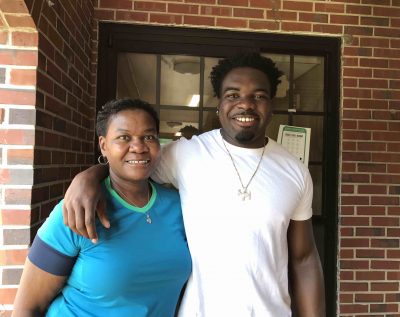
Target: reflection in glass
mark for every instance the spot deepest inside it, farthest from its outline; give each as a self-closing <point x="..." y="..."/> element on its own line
<point x="209" y="100"/>
<point x="273" y="126"/>
<point x="316" y="123"/>
<point x="316" y="175"/>
<point x="281" y="100"/>
<point x="180" y="80"/>
<point x="308" y="93"/>
<point x="136" y="76"/>
<point x="173" y="121"/>
<point x="210" y="121"/>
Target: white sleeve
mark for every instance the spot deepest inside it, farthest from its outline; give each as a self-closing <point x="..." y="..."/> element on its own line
<point x="166" y="171"/>
<point x="304" y="208"/>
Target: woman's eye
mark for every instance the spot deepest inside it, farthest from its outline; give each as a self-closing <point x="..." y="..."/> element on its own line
<point x="123" y="138"/>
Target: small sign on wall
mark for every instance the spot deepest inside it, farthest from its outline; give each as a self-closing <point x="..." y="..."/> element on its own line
<point x="296" y="140"/>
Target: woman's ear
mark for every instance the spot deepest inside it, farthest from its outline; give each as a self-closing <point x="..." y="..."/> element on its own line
<point x="102" y="145"/>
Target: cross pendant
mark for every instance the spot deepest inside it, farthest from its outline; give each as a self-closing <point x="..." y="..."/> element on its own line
<point x="244" y="194"/>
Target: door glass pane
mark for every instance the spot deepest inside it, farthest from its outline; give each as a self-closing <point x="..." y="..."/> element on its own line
<point x="281" y="100"/>
<point x="176" y="123"/>
<point x="136" y="76"/>
<point x="316" y="175"/>
<point x="210" y="121"/>
<point x="180" y="80"/>
<point x="209" y="100"/>
<point x="273" y="126"/>
<point x="308" y="91"/>
<point x="316" y="123"/>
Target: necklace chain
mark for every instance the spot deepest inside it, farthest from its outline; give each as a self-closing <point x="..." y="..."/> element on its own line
<point x="148" y="219"/>
<point x="244" y="193"/>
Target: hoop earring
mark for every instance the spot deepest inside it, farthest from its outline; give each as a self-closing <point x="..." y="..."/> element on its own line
<point x="102" y="160"/>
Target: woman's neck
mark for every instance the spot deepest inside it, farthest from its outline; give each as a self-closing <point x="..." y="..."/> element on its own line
<point x="134" y="193"/>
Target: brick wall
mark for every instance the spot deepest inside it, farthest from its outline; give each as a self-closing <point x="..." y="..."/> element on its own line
<point x="369" y="232"/>
<point x="46" y="114"/>
<point x="18" y="61"/>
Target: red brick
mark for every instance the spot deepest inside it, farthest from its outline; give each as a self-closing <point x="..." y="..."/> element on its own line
<point x="386" y="11"/>
<point x="370" y="210"/>
<point x="375" y="21"/>
<point x="20" y="156"/>
<point x="344" y="19"/>
<point x="347" y="189"/>
<point x="15" y="217"/>
<point x="13" y="6"/>
<point x="18" y="57"/>
<point x="20" y="21"/>
<point x="373" y="104"/>
<point x="202" y="1"/>
<point x="236" y="3"/>
<point x="351" y="287"/>
<point x="313" y="17"/>
<point x="354" y="221"/>
<point x="216" y="11"/>
<point x="198" y="20"/>
<point x="282" y="16"/>
<point x="385" y="265"/>
<point x="331" y="8"/>
<point x="373" y="63"/>
<point x="358" y="9"/>
<point x="296" y="26"/>
<point x="12" y="257"/>
<point x="16" y="137"/>
<point x="110" y="15"/>
<point x="372" y="189"/>
<point x="150" y="6"/>
<point x="355" y="178"/>
<point x="357" y="114"/>
<point x="231" y="23"/>
<point x="166" y="18"/>
<point x="23" y="77"/>
<point x="327" y="28"/>
<point x="354" y="264"/>
<point x="17" y="97"/>
<point x="298" y="5"/>
<point x="387" y="32"/>
<point x="356" y="135"/>
<point x="355" y="200"/>
<point x="354" y="243"/>
<point x="356" y="93"/>
<point x="24" y="38"/>
<point x="357" y="72"/>
<point x="371" y="146"/>
<point x="372" y="125"/>
<point x="183" y="8"/>
<point x="350" y="103"/>
<point x="385" y="243"/>
<point x="373" y="83"/>
<point x="385" y="200"/>
<point x="368" y="298"/>
<point x="386" y="136"/>
<point x="272" y="5"/>
<point x="7" y="296"/>
<point x="370" y="253"/>
<point x="370" y="232"/>
<point x="386" y="178"/>
<point x="384" y="286"/>
<point x="116" y="4"/>
<point x="374" y="42"/>
<point x="348" y="167"/>
<point x="248" y="13"/>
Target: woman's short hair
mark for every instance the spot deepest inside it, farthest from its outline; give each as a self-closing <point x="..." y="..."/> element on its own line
<point x="112" y="107"/>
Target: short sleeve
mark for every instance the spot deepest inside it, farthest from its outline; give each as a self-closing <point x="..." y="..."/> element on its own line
<point x="166" y="172"/>
<point x="58" y="236"/>
<point x="304" y="208"/>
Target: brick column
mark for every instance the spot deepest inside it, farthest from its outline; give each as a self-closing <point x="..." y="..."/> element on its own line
<point x="18" y="62"/>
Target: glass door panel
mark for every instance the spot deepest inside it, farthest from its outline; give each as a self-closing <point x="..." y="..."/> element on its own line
<point x="180" y="81"/>
<point x="137" y="75"/>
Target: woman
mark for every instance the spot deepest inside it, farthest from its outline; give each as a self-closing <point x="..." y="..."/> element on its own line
<point x="141" y="263"/>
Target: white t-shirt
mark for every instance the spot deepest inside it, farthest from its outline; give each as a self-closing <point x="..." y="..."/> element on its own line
<point x="238" y="248"/>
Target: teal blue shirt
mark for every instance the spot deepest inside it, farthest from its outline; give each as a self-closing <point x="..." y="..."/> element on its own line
<point x="136" y="268"/>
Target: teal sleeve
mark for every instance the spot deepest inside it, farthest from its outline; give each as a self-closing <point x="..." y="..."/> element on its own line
<point x="57" y="235"/>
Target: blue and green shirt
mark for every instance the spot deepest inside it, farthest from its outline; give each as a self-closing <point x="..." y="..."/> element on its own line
<point x="135" y="269"/>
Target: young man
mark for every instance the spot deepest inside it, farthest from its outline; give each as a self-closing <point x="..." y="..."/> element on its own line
<point x="246" y="205"/>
